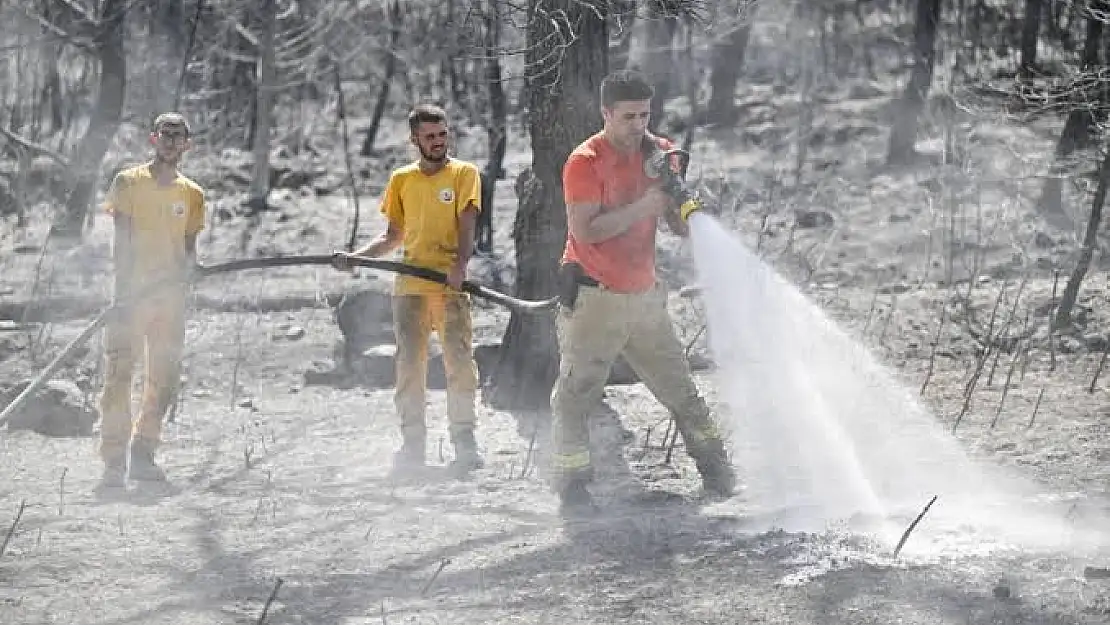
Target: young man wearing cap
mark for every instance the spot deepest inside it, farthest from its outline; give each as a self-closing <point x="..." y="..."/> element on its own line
<point x="157" y="213"/>
<point x="431" y="207"/>
<point x="612" y="303"/>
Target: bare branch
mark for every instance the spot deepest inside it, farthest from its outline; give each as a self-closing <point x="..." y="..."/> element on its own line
<point x="29" y="145"/>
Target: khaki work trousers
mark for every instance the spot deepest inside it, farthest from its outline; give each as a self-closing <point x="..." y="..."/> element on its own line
<point x="157" y="328"/>
<point x="602" y="326"/>
<point x="415" y="317"/>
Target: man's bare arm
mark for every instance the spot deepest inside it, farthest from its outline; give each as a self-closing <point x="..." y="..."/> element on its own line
<point x="384" y="243"/>
<point x="588" y="224"/>
<point x="468" y="221"/>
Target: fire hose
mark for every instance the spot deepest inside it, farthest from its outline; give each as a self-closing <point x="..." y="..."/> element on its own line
<point x="204" y="271"/>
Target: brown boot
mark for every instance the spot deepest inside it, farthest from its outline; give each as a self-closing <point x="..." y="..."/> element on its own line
<point x="143" y="468"/>
<point x="411" y="456"/>
<point x="467" y="458"/>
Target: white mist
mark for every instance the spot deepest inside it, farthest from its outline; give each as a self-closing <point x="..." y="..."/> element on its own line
<point x="823" y="435"/>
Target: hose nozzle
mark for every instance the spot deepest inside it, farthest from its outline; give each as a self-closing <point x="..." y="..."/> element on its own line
<point x="688" y="208"/>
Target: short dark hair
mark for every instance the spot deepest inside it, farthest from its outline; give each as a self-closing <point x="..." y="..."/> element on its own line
<point x="426" y="113"/>
<point x="173" y="120"/>
<point x="626" y="85"/>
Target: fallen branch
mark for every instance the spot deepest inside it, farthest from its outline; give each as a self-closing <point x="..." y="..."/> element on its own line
<point x="31" y="146"/>
<point x="909" y="530"/>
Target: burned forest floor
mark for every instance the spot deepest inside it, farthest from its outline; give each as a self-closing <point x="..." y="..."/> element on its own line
<point x="280" y="475"/>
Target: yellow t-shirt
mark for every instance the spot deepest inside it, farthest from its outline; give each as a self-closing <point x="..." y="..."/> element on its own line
<point x="426" y="208"/>
<point x="161" y="219"/>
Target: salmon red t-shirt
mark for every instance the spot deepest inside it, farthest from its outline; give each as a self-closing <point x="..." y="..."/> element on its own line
<point x="597" y="173"/>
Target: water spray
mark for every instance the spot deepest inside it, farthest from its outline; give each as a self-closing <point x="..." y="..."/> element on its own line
<point x="824" y="434"/>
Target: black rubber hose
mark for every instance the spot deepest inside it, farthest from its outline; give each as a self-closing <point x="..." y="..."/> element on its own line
<point x="204" y="271"/>
<point x="472" y="288"/>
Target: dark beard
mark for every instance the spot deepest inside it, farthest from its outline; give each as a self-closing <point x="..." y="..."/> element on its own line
<point x="160" y="160"/>
<point x="433" y="159"/>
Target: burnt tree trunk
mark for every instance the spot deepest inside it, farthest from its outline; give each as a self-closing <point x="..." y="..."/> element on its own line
<point x="383" y="91"/>
<point x="728" y="60"/>
<point x="1090" y="241"/>
<point x="567" y="54"/>
<point x="103" y="122"/>
<point x="1077" y="127"/>
<point x="498" y="104"/>
<point x="903" y="132"/>
<point x="1031" y="25"/>
<point x="655" y="56"/>
<point x="622" y="17"/>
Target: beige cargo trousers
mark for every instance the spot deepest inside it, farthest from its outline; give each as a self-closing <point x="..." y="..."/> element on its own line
<point x="602" y="326"/>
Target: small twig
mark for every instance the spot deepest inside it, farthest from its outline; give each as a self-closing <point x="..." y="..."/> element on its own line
<point x="670" y="446"/>
<point x="1006" y="386"/>
<point x="933" y="350"/>
<point x="1036" y="407"/>
<point x="697" y="335"/>
<point x="889" y="315"/>
<point x="11" y="530"/>
<point x="1051" y="325"/>
<point x="341" y="113"/>
<point x="1101" y="364"/>
<point x="969" y="390"/>
<point x="62" y="491"/>
<point x="428" y="585"/>
<point x="531" y="450"/>
<point x="871" y="310"/>
<point x="647" y="442"/>
<point x="909" y="530"/>
<point x="269" y="601"/>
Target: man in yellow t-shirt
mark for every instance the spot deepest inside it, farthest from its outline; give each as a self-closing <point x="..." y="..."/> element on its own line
<point x="157" y="213"/>
<point x="431" y="206"/>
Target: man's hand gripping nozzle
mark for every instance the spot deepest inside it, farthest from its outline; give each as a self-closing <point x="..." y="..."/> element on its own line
<point x="657" y="164"/>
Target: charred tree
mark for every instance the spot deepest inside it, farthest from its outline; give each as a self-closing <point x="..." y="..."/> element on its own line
<point x="728" y="60"/>
<point x="1081" y="120"/>
<point x="107" y="37"/>
<point x="498" y="103"/>
<point x="1086" y="253"/>
<point x="264" y="102"/>
<point x="654" y="54"/>
<point x="568" y="57"/>
<point x="1030" y="28"/>
<point x="387" y="80"/>
<point x="903" y="132"/>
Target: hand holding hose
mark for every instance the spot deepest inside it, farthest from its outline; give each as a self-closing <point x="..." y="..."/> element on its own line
<point x="342" y="261"/>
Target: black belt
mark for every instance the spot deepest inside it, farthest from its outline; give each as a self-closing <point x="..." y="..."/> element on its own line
<point x="585" y="280"/>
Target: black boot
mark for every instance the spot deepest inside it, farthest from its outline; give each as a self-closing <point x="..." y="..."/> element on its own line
<point x="467" y="458"/>
<point x="718" y="477"/>
<point x="575" y="500"/>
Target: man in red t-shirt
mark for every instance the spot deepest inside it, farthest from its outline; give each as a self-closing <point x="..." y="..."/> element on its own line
<point x="616" y="306"/>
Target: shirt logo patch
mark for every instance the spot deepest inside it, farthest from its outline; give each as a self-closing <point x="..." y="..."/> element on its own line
<point x="178" y="209"/>
<point x="446" y="195"/>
